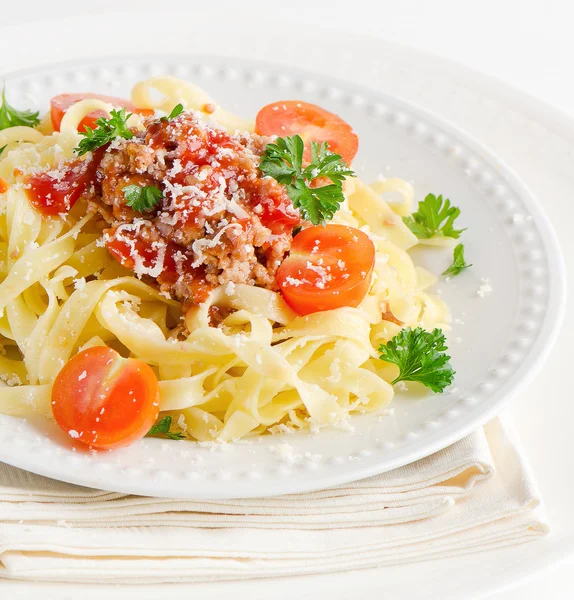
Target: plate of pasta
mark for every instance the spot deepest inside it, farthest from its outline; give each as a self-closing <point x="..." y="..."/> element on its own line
<point x="218" y="279"/>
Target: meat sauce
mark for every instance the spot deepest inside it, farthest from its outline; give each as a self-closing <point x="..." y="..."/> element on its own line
<point x="56" y="192"/>
<point x="218" y="220"/>
<point x="175" y="262"/>
<point x="224" y="159"/>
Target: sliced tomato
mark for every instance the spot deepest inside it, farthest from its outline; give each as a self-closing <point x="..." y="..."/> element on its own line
<point x="60" y="104"/>
<point x="312" y="123"/>
<point x="328" y="267"/>
<point x="104" y="400"/>
<point x="55" y="192"/>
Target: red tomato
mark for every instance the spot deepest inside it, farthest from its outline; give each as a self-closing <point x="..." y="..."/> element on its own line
<point x="105" y="400"/>
<point x="329" y="266"/>
<point x="55" y="193"/>
<point x="312" y="123"/>
<point x="60" y="104"/>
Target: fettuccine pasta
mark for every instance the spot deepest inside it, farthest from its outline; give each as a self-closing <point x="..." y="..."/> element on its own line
<point x="262" y="369"/>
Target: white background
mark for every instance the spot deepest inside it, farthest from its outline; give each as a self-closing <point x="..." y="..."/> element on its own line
<point x="527" y="43"/>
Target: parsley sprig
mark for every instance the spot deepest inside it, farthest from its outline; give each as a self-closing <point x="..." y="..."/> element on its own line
<point x="458" y="262"/>
<point x="420" y="356"/>
<point x="162" y="427"/>
<point x="10" y="117"/>
<point x="283" y="161"/>
<point x="176" y="111"/>
<point x="106" y="130"/>
<point x="140" y="198"/>
<point x="434" y="217"/>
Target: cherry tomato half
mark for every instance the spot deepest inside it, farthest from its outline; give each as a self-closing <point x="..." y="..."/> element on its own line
<point x="328" y="267"/>
<point x="104" y="400"/>
<point x="312" y="123"/>
<point x="60" y="104"/>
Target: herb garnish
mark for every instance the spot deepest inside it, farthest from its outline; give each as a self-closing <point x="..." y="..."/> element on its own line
<point x="10" y="117"/>
<point x="142" y="199"/>
<point x="177" y="110"/>
<point x="420" y="356"/>
<point x="162" y="427"/>
<point x="283" y="161"/>
<point x="434" y="217"/>
<point x="106" y="130"/>
<point x="458" y="263"/>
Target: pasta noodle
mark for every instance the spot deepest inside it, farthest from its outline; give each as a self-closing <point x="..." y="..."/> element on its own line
<point x="263" y="369"/>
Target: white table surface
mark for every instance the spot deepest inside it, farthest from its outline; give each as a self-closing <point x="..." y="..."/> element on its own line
<point x="526" y="43"/>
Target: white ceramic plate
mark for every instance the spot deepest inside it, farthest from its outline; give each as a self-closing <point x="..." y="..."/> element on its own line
<point x="497" y="344"/>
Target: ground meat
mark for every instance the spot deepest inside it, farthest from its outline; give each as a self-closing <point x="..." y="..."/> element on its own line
<point x="219" y="220"/>
<point x="218" y="314"/>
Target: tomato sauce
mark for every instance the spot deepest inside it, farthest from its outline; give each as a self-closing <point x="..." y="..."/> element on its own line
<point x="125" y="247"/>
<point x="218" y="220"/>
<point x="55" y="192"/>
<point x="269" y="201"/>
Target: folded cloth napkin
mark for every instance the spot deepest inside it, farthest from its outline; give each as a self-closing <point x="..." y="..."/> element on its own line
<point x="474" y="495"/>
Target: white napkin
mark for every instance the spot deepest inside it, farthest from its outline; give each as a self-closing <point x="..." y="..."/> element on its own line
<point x="475" y="495"/>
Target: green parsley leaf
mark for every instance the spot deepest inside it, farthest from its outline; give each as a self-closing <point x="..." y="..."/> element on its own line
<point x="316" y="204"/>
<point x="283" y="161"/>
<point x="420" y="356"/>
<point x="325" y="163"/>
<point x="142" y="199"/>
<point x="177" y="110"/>
<point x="162" y="427"/>
<point x="434" y="217"/>
<point x="458" y="263"/>
<point x="10" y="117"/>
<point x="105" y="132"/>
<point x="2" y="149"/>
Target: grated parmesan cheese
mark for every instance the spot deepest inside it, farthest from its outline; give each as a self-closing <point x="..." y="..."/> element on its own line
<point x="485" y="288"/>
